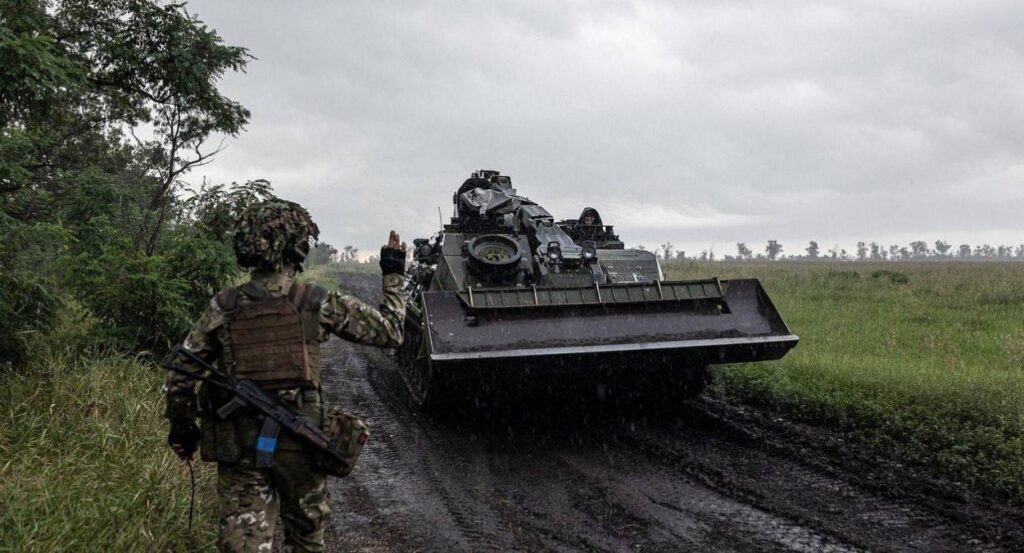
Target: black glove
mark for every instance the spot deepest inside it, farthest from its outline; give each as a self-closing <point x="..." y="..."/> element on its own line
<point x="392" y="261"/>
<point x="184" y="434"/>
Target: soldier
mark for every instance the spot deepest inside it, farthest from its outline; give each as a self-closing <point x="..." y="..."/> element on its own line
<point x="270" y="330"/>
<point x="588" y="227"/>
<point x="590" y="217"/>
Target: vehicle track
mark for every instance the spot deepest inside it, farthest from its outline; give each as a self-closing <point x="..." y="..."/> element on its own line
<point x="564" y="471"/>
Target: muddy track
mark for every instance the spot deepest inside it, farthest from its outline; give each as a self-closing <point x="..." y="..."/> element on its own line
<point x="571" y="470"/>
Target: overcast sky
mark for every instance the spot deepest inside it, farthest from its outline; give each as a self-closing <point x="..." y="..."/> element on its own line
<point x="704" y="123"/>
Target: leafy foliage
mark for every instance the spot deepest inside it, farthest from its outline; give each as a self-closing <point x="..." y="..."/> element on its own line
<point x="90" y="211"/>
<point x="25" y="307"/>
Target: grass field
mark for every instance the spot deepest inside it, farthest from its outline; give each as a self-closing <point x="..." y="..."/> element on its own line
<point x="923" y="359"/>
<point x="84" y="465"/>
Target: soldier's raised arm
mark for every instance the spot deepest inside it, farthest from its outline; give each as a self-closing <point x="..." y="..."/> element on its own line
<point x="352" y="319"/>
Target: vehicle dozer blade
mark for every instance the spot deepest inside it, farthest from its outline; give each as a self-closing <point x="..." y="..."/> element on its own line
<point x="681" y="324"/>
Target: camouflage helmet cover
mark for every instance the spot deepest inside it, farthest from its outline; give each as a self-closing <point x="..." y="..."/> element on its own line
<point x="272" y="233"/>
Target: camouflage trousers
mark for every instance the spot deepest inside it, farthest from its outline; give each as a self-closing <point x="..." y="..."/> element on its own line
<point x="251" y="498"/>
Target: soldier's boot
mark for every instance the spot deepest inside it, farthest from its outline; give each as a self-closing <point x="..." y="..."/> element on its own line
<point x="248" y="509"/>
<point x="305" y="505"/>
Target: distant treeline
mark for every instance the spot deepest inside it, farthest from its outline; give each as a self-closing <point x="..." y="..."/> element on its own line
<point x="324" y="253"/>
<point x="865" y="251"/>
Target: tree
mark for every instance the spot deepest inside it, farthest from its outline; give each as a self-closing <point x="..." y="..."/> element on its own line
<point x="743" y="252"/>
<point x="862" y="251"/>
<point x="964" y="251"/>
<point x="812" y="250"/>
<point x="919" y="248"/>
<point x="876" y="251"/>
<point x="894" y="252"/>
<point x="88" y="210"/>
<point x="166" y="64"/>
<point x="680" y="255"/>
<point x="119" y="64"/>
<point x="666" y="249"/>
<point x="349" y="254"/>
<point x="321" y="254"/>
<point x="36" y="79"/>
<point x="773" y="249"/>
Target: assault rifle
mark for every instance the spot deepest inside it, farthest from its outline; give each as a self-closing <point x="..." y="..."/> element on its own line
<point x="275" y="415"/>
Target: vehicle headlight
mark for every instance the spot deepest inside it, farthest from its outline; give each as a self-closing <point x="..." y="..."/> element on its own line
<point x="554" y="251"/>
<point x="589" y="253"/>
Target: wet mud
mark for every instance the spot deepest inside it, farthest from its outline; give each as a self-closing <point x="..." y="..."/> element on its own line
<point x="583" y="465"/>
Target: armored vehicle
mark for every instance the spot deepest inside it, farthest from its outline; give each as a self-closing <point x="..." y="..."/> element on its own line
<point x="503" y="289"/>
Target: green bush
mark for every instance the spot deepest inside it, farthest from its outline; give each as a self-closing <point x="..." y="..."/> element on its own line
<point x="27" y="308"/>
<point x="87" y="213"/>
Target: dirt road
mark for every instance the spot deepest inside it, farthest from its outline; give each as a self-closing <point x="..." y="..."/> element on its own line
<point x="571" y="470"/>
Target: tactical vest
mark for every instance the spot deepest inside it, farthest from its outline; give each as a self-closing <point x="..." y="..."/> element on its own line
<point x="273" y="339"/>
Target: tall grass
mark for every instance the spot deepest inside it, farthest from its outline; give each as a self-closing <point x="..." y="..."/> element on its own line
<point x="925" y="359"/>
<point x="84" y="465"/>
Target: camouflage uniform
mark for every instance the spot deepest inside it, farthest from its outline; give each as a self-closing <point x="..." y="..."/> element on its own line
<point x="251" y="497"/>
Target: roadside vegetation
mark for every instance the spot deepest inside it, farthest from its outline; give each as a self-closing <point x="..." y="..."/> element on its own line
<point x="85" y="465"/>
<point x="924" y="360"/>
<point x="107" y="255"/>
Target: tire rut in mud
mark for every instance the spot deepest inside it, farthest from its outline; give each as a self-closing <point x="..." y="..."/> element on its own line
<point x="565" y="471"/>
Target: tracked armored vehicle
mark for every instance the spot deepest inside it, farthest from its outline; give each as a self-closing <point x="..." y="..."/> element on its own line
<point x="505" y="290"/>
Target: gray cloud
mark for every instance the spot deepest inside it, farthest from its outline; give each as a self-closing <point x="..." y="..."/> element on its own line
<point x="703" y="123"/>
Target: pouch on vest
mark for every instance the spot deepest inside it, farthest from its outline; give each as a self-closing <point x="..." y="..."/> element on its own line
<point x="348" y="436"/>
<point x="220" y="442"/>
<point x="272" y="343"/>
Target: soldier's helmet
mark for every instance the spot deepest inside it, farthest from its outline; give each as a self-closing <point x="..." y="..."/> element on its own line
<point x="273" y="234"/>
